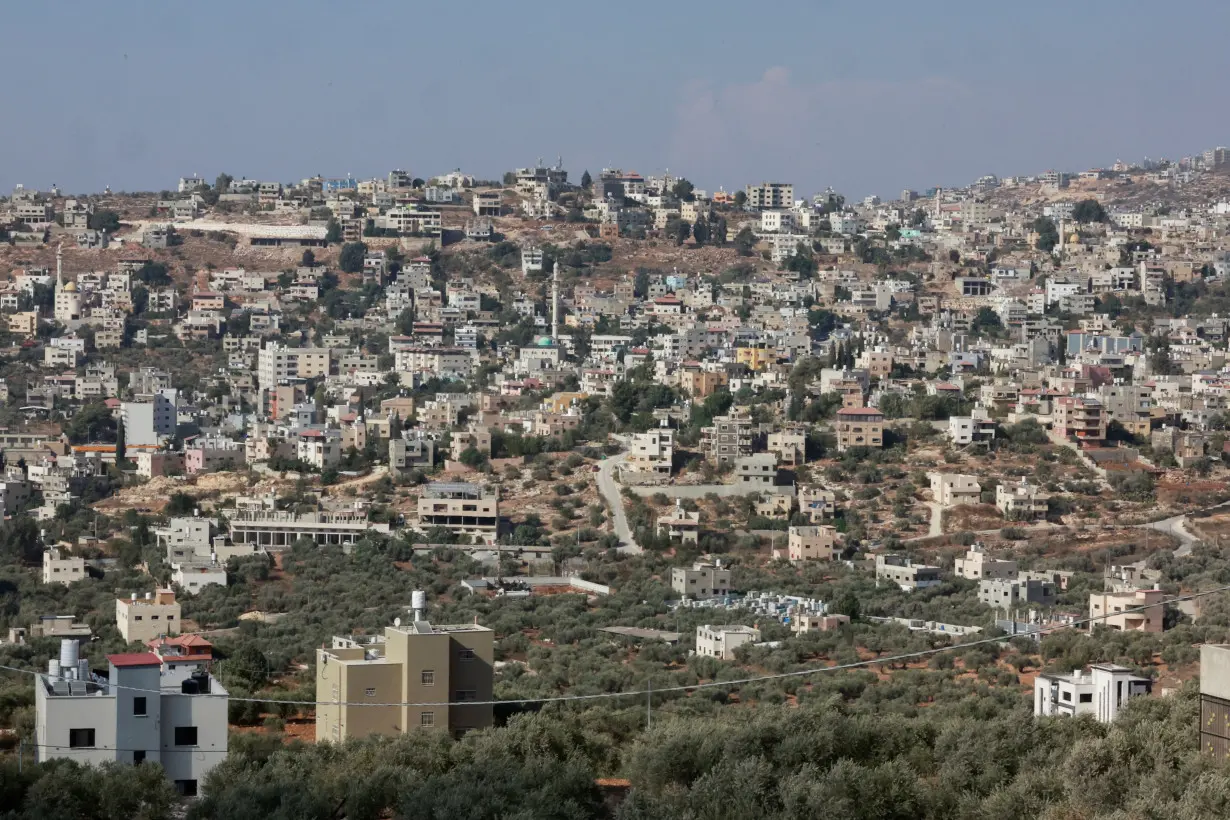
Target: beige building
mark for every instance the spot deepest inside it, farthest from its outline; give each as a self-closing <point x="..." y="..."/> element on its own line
<point x="859" y="427"/>
<point x="701" y="580"/>
<point x="462" y="508"/>
<point x="812" y="543"/>
<point x="650" y="456"/>
<point x="977" y="565"/>
<point x="789" y="446"/>
<point x="477" y="438"/>
<point x="141" y="619"/>
<point x="62" y="569"/>
<point x="1115" y="606"/>
<point x="815" y="622"/>
<point x="1021" y="501"/>
<point x="433" y="666"/>
<point x="770" y="195"/>
<point x="722" y="641"/>
<point x="680" y="525"/>
<point x="951" y="489"/>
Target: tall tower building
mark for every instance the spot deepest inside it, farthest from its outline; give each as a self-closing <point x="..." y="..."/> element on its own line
<point x="555" y="303"/>
<point x="67" y="299"/>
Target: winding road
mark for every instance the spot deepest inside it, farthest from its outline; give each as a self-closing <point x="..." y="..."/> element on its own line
<point x="1175" y="526"/>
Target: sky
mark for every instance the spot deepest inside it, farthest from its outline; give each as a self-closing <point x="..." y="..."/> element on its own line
<point x="864" y="97"/>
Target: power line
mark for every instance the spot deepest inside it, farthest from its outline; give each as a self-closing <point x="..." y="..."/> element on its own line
<point x="691" y="687"/>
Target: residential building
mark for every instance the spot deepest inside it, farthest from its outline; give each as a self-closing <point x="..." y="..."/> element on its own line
<point x="728" y="438"/>
<point x="650" y="457"/>
<point x="817" y="542"/>
<point x="951" y="489"/>
<point x="702" y="580"/>
<point x="462" y="508"/>
<point x="680" y="525"/>
<point x="758" y="470"/>
<point x="1021" y="501"/>
<point x="63" y="569"/>
<point x="1080" y="418"/>
<point x="976" y="427"/>
<point x="977" y="565"/>
<point x="1009" y="593"/>
<point x="905" y="573"/>
<point x="139" y="713"/>
<point x="272" y="530"/>
<point x="1101" y="693"/>
<point x="191" y="651"/>
<point x="859" y="427"/>
<point x="1138" y="610"/>
<point x="1215" y="701"/>
<point x="192" y="578"/>
<point x="770" y="196"/>
<point x="790" y="447"/>
<point x="815" y="622"/>
<point x="141" y="619"/>
<point x="277" y="363"/>
<point x="722" y="641"/>
<point x="417" y="663"/>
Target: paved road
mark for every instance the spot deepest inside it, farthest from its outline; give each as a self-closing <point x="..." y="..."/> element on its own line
<point x="698" y="490"/>
<point x="609" y="488"/>
<point x="1176" y="526"/>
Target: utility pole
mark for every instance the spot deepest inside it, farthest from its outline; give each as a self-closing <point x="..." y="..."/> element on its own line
<point x="649" y="704"/>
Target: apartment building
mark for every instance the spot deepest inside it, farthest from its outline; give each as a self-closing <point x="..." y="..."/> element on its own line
<point x="60" y="568"/>
<point x="418" y="663"/>
<point x="817" y="542"/>
<point x="141" y="619"/>
<point x="277" y="363"/>
<point x="702" y="580"/>
<point x="770" y="196"/>
<point x="952" y="489"/>
<point x="859" y="427"/>
<point x="905" y="573"/>
<point x="680" y="525"/>
<point x="790" y="447"/>
<point x="650" y="457"/>
<point x="722" y="641"/>
<point x="1102" y="692"/>
<point x="1080" y="418"/>
<point x="976" y="427"/>
<point x="140" y="712"/>
<point x="1010" y="593"/>
<point x="977" y="565"/>
<point x="758" y="470"/>
<point x="728" y="438"/>
<point x="817" y="503"/>
<point x="1138" y="610"/>
<point x="462" y="508"/>
<point x="1128" y="404"/>
<point x="1021" y="501"/>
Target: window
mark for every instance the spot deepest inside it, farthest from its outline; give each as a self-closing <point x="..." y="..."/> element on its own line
<point x="427" y="719"/>
<point x="465" y="654"/>
<point x="138" y="758"/>
<point x="370" y="691"/>
<point x="137" y="617"/>
<point x="186" y="788"/>
<point x="1086" y="697"/>
<point x="466" y="695"/>
<point x="428" y="677"/>
<point x="1067" y="696"/>
<point x="153" y="617"/>
<point x="81" y="738"/>
<point x="185" y="735"/>
<point x="138" y="707"/>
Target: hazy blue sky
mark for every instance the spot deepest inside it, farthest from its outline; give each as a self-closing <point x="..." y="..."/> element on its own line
<point x="867" y="97"/>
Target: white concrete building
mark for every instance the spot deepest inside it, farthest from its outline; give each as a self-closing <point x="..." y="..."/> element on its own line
<point x="977" y="565"/>
<point x="62" y="569"/>
<point x="193" y="578"/>
<point x="722" y="641"/>
<point x="701" y="580"/>
<point x="1101" y="693"/>
<point x="142" y="619"/>
<point x="91" y="720"/>
<point x="951" y="489"/>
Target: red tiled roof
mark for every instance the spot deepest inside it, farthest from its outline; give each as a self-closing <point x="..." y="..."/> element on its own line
<point x="125" y="659"/>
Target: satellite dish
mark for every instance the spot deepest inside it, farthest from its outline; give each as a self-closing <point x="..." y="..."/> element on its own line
<point x="397" y="622"/>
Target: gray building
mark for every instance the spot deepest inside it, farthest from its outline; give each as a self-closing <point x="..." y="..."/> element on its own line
<point x="137" y="713"/>
<point x="1006" y="593"/>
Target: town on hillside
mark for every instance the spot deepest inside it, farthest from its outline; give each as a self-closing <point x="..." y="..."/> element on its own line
<point x="587" y="483"/>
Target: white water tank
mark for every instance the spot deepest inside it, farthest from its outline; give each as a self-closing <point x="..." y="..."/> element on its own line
<point x="68" y="653"/>
<point x="53" y="669"/>
<point x="418" y="603"/>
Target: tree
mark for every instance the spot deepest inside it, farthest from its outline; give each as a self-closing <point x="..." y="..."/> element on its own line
<point x="19" y="540"/>
<point x="700" y="230"/>
<point x="395" y="426"/>
<point x="223" y="183"/>
<point x="108" y="221"/>
<point x="121" y="444"/>
<point x="745" y="240"/>
<point x="586" y="179"/>
<point x="846" y="604"/>
<point x="719" y="231"/>
<point x="308" y="259"/>
<point x="954" y="256"/>
<point x="679" y="230"/>
<point x="180" y="504"/>
<point x="1089" y="210"/>
<point x="1048" y="235"/>
<point x="351" y="258"/>
<point x="333" y="233"/>
<point x="682" y="190"/>
<point x="740" y="199"/>
<point x="154" y="274"/>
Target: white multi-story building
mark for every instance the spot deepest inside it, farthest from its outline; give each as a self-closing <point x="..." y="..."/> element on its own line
<point x="977" y="565"/>
<point x="951" y="489"/>
<point x="142" y="619"/>
<point x="62" y="569"/>
<point x="1101" y="693"/>
<point x="140" y="713"/>
<point x="722" y="641"/>
<point x="701" y="580"/>
<point x="277" y="363"/>
<point x="650" y="455"/>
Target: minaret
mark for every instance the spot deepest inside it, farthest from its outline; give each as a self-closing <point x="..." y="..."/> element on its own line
<point x="60" y="266"/>
<point x="555" y="303"/>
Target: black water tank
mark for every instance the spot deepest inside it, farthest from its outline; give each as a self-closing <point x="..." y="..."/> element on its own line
<point x="189" y="687"/>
